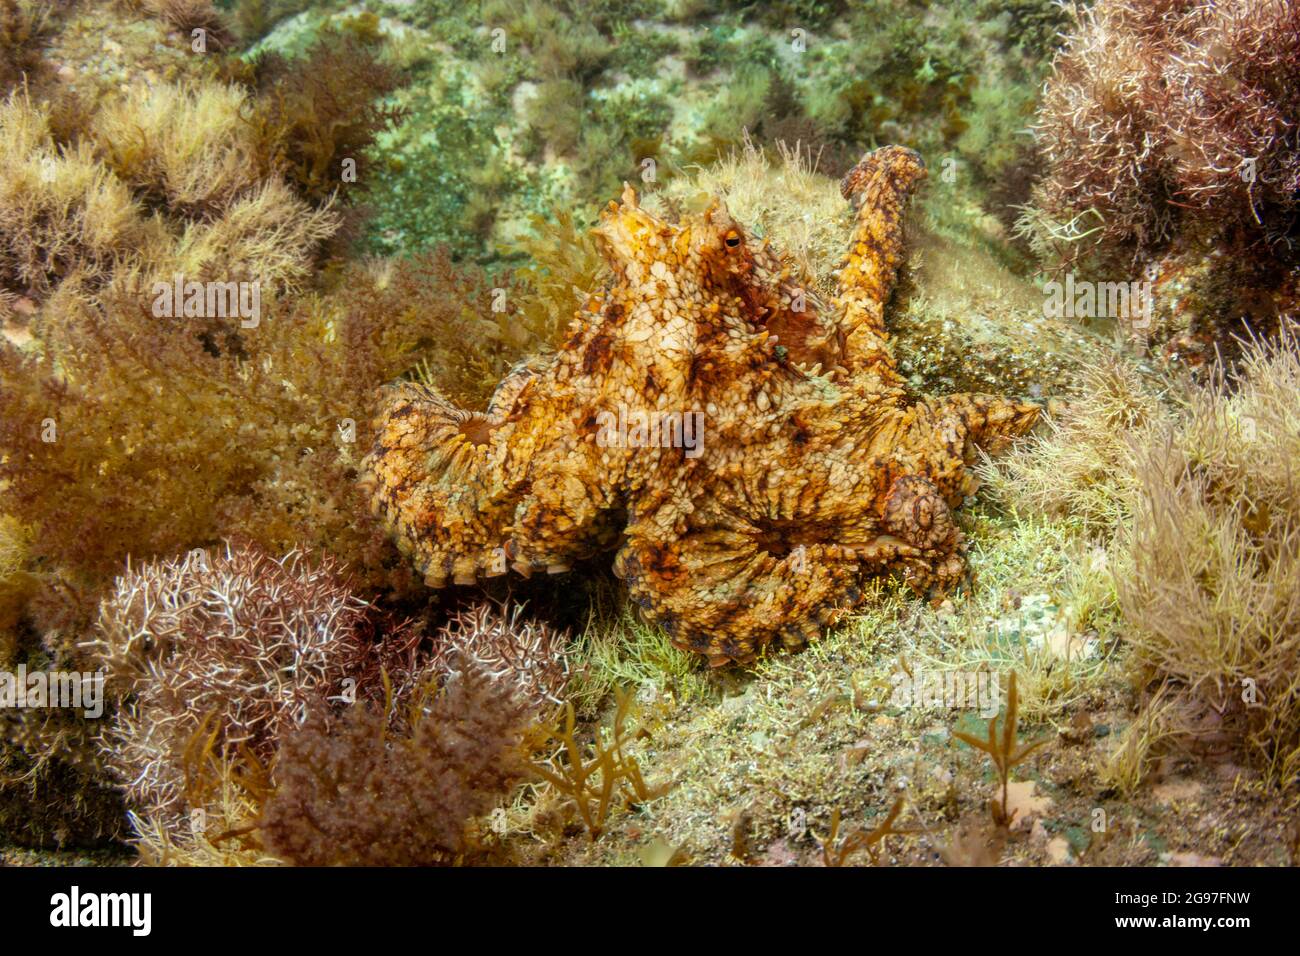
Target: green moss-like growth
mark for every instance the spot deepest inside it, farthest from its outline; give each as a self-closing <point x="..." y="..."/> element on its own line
<point x="527" y="106"/>
<point x="439" y="171"/>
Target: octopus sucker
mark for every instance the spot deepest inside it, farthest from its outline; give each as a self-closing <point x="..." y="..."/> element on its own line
<point x="747" y="455"/>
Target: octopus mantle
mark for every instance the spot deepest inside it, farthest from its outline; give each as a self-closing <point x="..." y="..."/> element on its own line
<point x="803" y="469"/>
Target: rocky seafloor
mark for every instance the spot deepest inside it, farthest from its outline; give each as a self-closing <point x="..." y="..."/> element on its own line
<point x="413" y="183"/>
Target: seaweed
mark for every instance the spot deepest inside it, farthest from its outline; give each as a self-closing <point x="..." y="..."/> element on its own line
<point x="24" y="27"/>
<point x="250" y="428"/>
<point x="837" y="851"/>
<point x="1004" y="750"/>
<point x="562" y="268"/>
<point x="319" y="115"/>
<point x="347" y="792"/>
<point x="1168" y="118"/>
<point x="607" y="776"/>
<point x="216" y="653"/>
<point x="189" y="16"/>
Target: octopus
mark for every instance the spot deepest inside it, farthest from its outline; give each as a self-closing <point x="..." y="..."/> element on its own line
<point x="747" y="452"/>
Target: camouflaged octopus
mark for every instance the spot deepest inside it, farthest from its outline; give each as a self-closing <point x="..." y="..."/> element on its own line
<point x="817" y="471"/>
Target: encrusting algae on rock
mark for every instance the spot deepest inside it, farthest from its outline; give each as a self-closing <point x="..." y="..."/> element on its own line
<point x="815" y="470"/>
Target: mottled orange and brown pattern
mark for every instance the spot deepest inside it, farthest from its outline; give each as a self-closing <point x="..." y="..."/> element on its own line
<point x="817" y="469"/>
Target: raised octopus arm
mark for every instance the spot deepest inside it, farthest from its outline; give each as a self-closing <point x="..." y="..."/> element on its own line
<point x="879" y="187"/>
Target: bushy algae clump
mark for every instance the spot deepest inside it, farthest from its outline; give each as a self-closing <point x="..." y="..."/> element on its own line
<point x="230" y="645"/>
<point x="1169" y="137"/>
<point x="1188" y="496"/>
<point x="131" y="428"/>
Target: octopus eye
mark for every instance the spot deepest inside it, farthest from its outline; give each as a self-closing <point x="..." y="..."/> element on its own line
<point x="923" y="513"/>
<point x="732" y="239"/>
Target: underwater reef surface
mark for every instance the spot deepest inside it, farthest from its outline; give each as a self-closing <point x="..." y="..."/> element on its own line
<point x="268" y="267"/>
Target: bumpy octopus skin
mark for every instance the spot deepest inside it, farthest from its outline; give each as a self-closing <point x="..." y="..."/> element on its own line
<point x="817" y="471"/>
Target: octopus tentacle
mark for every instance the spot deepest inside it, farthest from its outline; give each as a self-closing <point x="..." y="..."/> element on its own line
<point x="990" y="422"/>
<point x="879" y="186"/>
<point x="430" y="477"/>
<point x="725" y="586"/>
